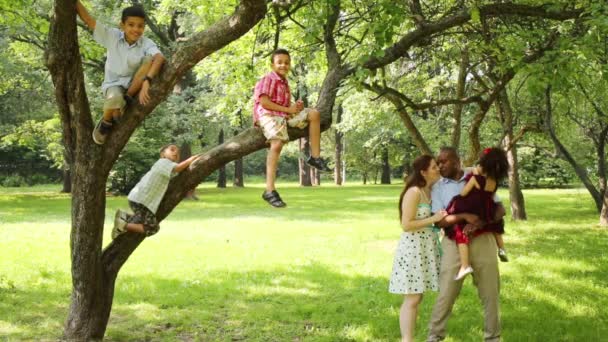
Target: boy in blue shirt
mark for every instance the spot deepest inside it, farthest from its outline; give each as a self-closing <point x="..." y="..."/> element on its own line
<point x="132" y="62"/>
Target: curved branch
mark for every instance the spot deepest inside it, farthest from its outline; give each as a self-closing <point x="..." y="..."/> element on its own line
<point x="400" y="48"/>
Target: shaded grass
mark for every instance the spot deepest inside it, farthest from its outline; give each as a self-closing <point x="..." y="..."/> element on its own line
<point x="229" y="268"/>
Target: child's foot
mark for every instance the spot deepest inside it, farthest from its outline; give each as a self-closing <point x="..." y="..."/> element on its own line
<point x="273" y="198"/>
<point x="318" y="163"/>
<point x="502" y="255"/>
<point x="464" y="272"/>
<point x="120" y="223"/>
<point x="101" y="131"/>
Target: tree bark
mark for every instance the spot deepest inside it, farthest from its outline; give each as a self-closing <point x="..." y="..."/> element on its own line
<point x="339" y="136"/>
<point x="304" y="170"/>
<point x="67" y="180"/>
<point x="221" y="177"/>
<point x="460" y="91"/>
<point x="567" y="156"/>
<point x="604" y="211"/>
<point x="239" y="180"/>
<point x="385" y="178"/>
<point x="518" y="208"/>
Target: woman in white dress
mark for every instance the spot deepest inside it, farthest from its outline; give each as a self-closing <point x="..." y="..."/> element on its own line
<point x="416" y="265"/>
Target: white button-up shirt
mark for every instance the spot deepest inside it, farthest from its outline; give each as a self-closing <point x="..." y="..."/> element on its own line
<point x="123" y="59"/>
<point x="445" y="189"/>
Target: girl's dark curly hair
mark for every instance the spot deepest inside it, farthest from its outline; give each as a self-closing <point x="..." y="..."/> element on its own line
<point x="494" y="163"/>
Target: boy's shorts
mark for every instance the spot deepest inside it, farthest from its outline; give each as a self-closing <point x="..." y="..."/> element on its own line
<point x="275" y="127"/>
<point x="114" y="98"/>
<point x="144" y="216"/>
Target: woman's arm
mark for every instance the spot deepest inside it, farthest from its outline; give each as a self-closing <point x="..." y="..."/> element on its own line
<point x="409" y="208"/>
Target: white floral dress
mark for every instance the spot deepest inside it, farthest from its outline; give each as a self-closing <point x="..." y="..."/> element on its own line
<point x="416" y="264"/>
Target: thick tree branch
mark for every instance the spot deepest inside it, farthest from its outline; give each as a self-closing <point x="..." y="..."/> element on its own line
<point x="565" y="154"/>
<point x="400" y="48"/>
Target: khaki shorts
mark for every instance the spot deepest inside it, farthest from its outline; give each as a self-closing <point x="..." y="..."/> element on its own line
<point x="275" y="127"/>
<point x="114" y="98"/>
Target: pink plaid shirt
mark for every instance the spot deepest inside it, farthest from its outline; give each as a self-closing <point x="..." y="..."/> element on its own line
<point x="277" y="89"/>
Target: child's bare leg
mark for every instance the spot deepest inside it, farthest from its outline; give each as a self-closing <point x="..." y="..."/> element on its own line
<point x="499" y="241"/>
<point x="463" y="250"/>
<point x="465" y="266"/>
<point x="408" y="315"/>
<point x="136" y="228"/>
<point x="108" y="114"/>
<point x="314" y="132"/>
<point x="138" y="77"/>
<point x="272" y="160"/>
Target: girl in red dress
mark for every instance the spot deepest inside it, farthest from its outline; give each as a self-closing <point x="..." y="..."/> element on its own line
<point x="477" y="197"/>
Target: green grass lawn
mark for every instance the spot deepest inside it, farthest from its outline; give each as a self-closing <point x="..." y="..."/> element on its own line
<point x="229" y="268"/>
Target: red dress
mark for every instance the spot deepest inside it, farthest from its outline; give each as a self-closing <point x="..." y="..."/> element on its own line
<point x="478" y="202"/>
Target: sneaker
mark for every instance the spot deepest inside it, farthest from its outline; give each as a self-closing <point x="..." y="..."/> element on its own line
<point x="120" y="223"/>
<point x="318" y="163"/>
<point x="101" y="132"/>
<point x="502" y="255"/>
<point x="273" y="199"/>
<point x="463" y="273"/>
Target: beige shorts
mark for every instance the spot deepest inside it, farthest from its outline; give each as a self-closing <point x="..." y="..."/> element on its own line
<point x="275" y="127"/>
<point x="114" y="98"/>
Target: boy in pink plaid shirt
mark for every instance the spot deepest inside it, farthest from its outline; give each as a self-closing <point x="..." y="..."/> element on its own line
<point x="273" y="112"/>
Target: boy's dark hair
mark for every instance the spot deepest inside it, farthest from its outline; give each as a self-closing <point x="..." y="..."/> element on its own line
<point x="133" y="11"/>
<point x="494" y="163"/>
<point x="162" y="149"/>
<point x="279" y="52"/>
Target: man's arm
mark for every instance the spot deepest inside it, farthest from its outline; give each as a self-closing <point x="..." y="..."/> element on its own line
<point x="452" y="219"/>
<point x="183" y="165"/>
<point x="85" y="16"/>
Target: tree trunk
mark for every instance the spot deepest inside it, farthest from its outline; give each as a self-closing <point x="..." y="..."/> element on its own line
<point x="604" y="212"/>
<point x="304" y="169"/>
<point x="516" y="196"/>
<point x="364" y="178"/>
<point x="315" y="175"/>
<point x="67" y="180"/>
<point x="94" y="271"/>
<point x="239" y="180"/>
<point x="90" y="305"/>
<point x="221" y="177"/>
<point x="567" y="156"/>
<point x="386" y="168"/>
<point x="518" y="208"/>
<point x="339" y="148"/>
<point x="460" y="91"/>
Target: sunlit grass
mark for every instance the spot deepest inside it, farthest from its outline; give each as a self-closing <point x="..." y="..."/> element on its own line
<point x="228" y="267"/>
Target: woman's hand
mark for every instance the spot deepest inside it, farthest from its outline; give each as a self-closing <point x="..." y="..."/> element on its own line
<point x="439" y="215"/>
